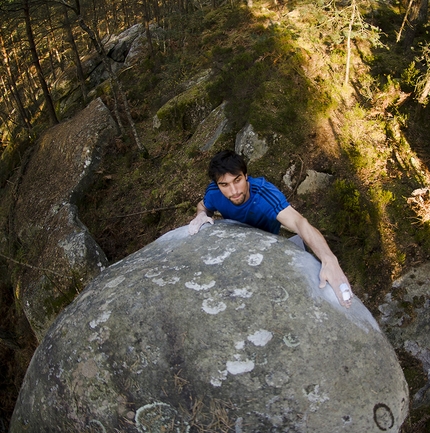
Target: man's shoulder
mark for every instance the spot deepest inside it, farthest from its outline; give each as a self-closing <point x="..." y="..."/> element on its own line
<point x="212" y="187"/>
<point x="261" y="183"/>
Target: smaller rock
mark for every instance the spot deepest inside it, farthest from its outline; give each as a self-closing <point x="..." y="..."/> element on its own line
<point x="405" y="319"/>
<point x="287" y="179"/>
<point x="313" y="182"/>
<point x="249" y="144"/>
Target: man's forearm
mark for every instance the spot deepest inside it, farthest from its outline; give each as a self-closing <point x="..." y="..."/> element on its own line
<point x="201" y="208"/>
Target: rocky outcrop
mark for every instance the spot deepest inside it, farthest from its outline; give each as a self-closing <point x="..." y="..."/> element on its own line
<point x="314" y="181"/>
<point x="224" y="328"/>
<point x="122" y="51"/>
<point x="249" y="144"/>
<point x="210" y="129"/>
<point x="187" y="109"/>
<point x="406" y="318"/>
<point x="60" y="254"/>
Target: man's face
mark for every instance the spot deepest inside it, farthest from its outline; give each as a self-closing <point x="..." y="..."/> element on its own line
<point x="235" y="187"/>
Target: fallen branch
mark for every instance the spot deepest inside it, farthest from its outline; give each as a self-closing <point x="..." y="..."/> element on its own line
<point x="33" y="267"/>
<point x="157" y="209"/>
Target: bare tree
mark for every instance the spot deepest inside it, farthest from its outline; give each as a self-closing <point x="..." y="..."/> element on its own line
<point x="415" y="16"/>
<point x="35" y="60"/>
<point x="116" y="86"/>
<point x="422" y="88"/>
<point x="12" y="86"/>
<point x="75" y="53"/>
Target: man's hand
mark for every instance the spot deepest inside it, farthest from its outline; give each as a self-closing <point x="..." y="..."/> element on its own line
<point x="332" y="273"/>
<point x="198" y="221"/>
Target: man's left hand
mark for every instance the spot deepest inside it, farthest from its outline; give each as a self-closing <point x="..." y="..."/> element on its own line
<point x="332" y="273"/>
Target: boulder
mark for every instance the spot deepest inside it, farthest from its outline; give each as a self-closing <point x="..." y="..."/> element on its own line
<point x="187" y="109"/>
<point x="314" y="181"/>
<point x="406" y="321"/>
<point x="60" y="254"/>
<point x="196" y="333"/>
<point x="210" y="129"/>
<point x="249" y="144"/>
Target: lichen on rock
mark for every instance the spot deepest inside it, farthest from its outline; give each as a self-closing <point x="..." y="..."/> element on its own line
<point x="229" y="322"/>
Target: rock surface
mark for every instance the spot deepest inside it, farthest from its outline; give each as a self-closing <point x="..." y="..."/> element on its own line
<point x="406" y="321"/>
<point x="314" y="181"/>
<point x="249" y="144"/>
<point x="62" y="254"/>
<point x="224" y="328"/>
<point x="187" y="109"/>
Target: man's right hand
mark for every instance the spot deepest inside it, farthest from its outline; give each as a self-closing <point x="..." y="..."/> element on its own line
<point x="198" y="221"/>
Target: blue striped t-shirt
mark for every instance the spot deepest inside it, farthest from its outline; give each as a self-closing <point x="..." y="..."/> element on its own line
<point x="260" y="210"/>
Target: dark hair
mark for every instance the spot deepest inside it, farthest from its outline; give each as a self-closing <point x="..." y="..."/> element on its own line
<point x="226" y="161"/>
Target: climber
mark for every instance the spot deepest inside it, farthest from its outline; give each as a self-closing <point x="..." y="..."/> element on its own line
<point x="260" y="204"/>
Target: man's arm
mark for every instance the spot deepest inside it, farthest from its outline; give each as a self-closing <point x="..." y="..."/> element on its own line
<point x="203" y="216"/>
<point x="331" y="271"/>
<point x="201" y="208"/>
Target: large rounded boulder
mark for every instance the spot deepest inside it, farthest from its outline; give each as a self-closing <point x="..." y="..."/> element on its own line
<point x="225" y="330"/>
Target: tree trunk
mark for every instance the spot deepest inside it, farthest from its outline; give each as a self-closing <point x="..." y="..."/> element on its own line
<point x="77" y="60"/>
<point x="35" y="60"/>
<point x="417" y="17"/>
<point x="348" y="44"/>
<point x="11" y="83"/>
<point x="147" y="18"/>
<point x="116" y="86"/>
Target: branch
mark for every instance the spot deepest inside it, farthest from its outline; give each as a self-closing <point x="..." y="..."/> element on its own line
<point x="159" y="209"/>
<point x="33" y="267"/>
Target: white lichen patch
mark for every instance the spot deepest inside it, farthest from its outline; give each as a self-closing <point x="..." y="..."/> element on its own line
<point x="277" y="379"/>
<point x="319" y="315"/>
<point x="162" y="282"/>
<point x="159" y="417"/>
<point x="260" y="338"/>
<point x="211" y="306"/>
<point x="198" y="287"/>
<point x="291" y="340"/>
<point x="222" y="234"/>
<point x="217" y="380"/>
<point x="239" y="345"/>
<point x="255" y="259"/>
<point x="153" y="273"/>
<point x="240" y="367"/>
<point x="101" y="319"/>
<point x="242" y="293"/>
<point x="315" y="397"/>
<point x="209" y="260"/>
<point x="283" y="295"/>
<point x="266" y="243"/>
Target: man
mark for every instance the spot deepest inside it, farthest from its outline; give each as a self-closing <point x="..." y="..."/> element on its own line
<point x="258" y="203"/>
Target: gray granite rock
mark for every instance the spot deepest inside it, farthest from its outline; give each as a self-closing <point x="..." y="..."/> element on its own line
<point x="224" y="328"/>
<point x="406" y="321"/>
<point x="60" y="252"/>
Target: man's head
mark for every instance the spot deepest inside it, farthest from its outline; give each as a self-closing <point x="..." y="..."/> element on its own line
<point x="228" y="170"/>
<point x="226" y="162"/>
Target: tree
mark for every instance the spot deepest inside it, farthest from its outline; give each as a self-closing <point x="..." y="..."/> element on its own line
<point x="11" y="85"/>
<point x="116" y="86"/>
<point x="415" y="16"/>
<point x="422" y="88"/>
<point x="35" y="60"/>
<point x="347" y="23"/>
<point x="77" y="60"/>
